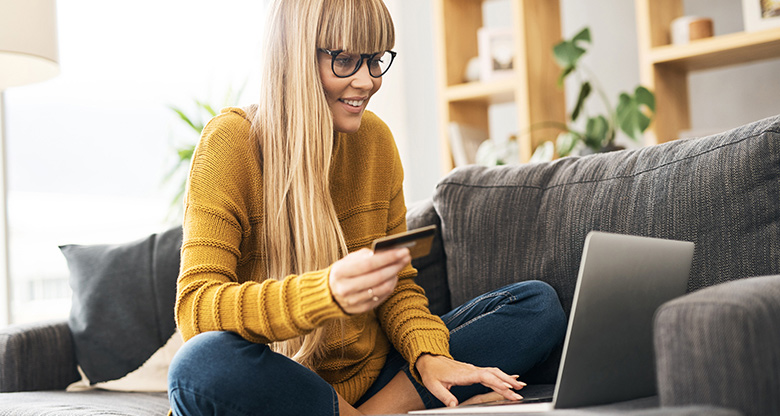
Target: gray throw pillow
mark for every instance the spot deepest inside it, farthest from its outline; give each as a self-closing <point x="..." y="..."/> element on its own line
<point x="123" y="300"/>
<point x="431" y="269"/>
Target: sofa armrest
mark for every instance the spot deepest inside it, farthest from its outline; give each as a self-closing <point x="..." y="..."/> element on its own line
<point x="719" y="346"/>
<point x="37" y="356"/>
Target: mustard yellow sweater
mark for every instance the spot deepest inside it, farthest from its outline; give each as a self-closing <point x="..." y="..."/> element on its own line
<point x="222" y="285"/>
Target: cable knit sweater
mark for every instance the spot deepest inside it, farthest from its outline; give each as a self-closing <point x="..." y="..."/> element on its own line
<point x="222" y="284"/>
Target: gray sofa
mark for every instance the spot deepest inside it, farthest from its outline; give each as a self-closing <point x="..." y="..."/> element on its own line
<point x="716" y="348"/>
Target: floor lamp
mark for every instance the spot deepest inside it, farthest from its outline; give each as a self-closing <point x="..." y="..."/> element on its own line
<point x="28" y="54"/>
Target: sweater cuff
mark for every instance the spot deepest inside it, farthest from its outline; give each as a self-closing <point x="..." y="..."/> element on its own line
<point x="316" y="302"/>
<point x="433" y="345"/>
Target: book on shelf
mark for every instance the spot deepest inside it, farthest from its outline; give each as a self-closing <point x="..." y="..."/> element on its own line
<point x="464" y="142"/>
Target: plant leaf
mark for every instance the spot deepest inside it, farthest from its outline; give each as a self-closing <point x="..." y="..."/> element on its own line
<point x="198" y="126"/>
<point x="206" y="107"/>
<point x="596" y="132"/>
<point x="185" y="153"/>
<point x="564" y="74"/>
<point x="582" y="36"/>
<point x="567" y="54"/>
<point x="646" y="97"/>
<point x="631" y="110"/>
<point x="543" y="153"/>
<point x="566" y="142"/>
<point x="585" y="90"/>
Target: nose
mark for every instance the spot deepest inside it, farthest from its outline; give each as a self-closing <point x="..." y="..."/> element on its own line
<point x="362" y="78"/>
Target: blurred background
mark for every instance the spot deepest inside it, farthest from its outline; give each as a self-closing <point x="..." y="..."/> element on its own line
<point x="89" y="151"/>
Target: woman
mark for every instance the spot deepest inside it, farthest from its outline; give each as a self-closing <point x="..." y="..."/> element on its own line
<point x="284" y="309"/>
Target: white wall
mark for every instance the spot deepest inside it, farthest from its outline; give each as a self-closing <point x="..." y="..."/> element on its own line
<point x="407" y="100"/>
<point x="720" y="99"/>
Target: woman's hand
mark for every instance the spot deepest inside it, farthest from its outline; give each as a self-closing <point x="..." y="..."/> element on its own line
<point x="363" y="279"/>
<point x="440" y="373"/>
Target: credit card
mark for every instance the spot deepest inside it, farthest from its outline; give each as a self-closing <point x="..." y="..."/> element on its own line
<point x="418" y="241"/>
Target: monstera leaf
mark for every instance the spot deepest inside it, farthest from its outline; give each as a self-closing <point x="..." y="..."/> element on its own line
<point x="632" y="112"/>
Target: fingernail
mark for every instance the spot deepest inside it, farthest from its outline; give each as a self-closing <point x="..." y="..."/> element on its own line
<point x="518" y="397"/>
<point x="452" y="404"/>
<point x="516" y="379"/>
<point x="509" y="386"/>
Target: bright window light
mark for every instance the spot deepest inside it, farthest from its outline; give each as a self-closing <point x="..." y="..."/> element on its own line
<point x="88" y="150"/>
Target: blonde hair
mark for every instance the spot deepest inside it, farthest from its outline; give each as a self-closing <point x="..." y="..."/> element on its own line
<point x="294" y="127"/>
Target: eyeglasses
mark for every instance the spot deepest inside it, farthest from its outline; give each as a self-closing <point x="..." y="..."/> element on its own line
<point x="345" y="65"/>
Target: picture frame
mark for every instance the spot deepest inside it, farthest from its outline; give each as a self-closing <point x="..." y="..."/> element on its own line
<point x="760" y="14"/>
<point x="496" y="53"/>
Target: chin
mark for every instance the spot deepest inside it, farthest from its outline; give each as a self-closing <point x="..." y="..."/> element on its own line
<point x="347" y="131"/>
<point x="347" y="127"/>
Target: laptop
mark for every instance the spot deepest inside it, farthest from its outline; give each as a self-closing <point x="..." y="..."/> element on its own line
<point x="608" y="350"/>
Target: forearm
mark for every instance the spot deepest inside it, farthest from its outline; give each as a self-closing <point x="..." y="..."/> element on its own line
<point x="253" y="309"/>
<point x="409" y="325"/>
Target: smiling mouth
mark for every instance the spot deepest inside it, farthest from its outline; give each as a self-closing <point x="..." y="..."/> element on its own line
<point x="353" y="103"/>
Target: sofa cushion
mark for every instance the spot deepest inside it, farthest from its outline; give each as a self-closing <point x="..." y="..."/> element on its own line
<point x="123" y="298"/>
<point x="94" y="402"/>
<point x="513" y="223"/>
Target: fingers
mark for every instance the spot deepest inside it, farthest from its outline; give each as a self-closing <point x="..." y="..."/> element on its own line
<point x="443" y="394"/>
<point x="362" y="280"/>
<point x="364" y="261"/>
<point x="484" y="398"/>
<point x="440" y="373"/>
<point x="501" y="383"/>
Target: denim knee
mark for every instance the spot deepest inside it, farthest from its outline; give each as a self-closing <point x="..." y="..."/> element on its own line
<point x="222" y="373"/>
<point x="187" y="363"/>
<point x="549" y="309"/>
<point x="190" y="375"/>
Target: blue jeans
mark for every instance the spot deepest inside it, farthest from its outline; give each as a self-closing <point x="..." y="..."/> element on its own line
<point x="513" y="328"/>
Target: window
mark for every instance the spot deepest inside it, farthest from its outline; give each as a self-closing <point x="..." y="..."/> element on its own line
<point x="88" y="150"/>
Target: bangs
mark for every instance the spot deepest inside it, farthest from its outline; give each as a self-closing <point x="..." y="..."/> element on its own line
<point x="356" y="26"/>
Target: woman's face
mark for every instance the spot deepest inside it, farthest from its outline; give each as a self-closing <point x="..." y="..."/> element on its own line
<point x="347" y="97"/>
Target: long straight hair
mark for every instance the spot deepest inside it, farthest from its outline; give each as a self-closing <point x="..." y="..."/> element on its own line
<point x="294" y="128"/>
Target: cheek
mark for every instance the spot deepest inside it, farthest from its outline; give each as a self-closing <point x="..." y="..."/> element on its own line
<point x="377" y="84"/>
<point x="325" y="77"/>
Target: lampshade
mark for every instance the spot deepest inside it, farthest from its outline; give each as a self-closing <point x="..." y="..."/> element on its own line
<point x="28" y="41"/>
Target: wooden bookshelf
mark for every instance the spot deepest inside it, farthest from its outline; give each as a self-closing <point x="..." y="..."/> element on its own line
<point x="533" y="87"/>
<point x="664" y="68"/>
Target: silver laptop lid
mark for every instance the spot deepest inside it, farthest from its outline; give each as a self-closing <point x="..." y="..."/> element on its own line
<point x="608" y="350"/>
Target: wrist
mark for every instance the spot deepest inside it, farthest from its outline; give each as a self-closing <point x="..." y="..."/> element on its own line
<point x="423" y="360"/>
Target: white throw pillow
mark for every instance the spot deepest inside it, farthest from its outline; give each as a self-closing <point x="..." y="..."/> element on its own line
<point x="152" y="376"/>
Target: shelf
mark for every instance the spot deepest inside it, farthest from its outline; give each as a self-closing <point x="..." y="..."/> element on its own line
<point x="665" y="69"/>
<point x="719" y="51"/>
<point x="491" y="92"/>
<point x="532" y="86"/>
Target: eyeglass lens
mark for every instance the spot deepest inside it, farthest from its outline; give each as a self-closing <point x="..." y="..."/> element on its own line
<point x="345" y="64"/>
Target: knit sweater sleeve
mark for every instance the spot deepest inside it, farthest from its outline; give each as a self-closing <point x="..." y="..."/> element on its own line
<point x="224" y="186"/>
<point x="405" y="316"/>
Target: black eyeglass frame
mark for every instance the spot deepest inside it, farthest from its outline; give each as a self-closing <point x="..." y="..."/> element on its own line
<point x="363" y="57"/>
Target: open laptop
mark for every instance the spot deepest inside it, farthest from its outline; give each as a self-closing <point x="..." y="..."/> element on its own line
<point x="608" y="351"/>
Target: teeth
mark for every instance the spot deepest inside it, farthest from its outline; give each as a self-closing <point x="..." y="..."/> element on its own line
<point x="354" y="103"/>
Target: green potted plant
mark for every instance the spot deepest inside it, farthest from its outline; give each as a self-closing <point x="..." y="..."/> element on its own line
<point x="596" y="131"/>
<point x="194" y="118"/>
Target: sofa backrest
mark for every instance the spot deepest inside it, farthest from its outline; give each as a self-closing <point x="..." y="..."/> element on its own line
<point x="512" y="223"/>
